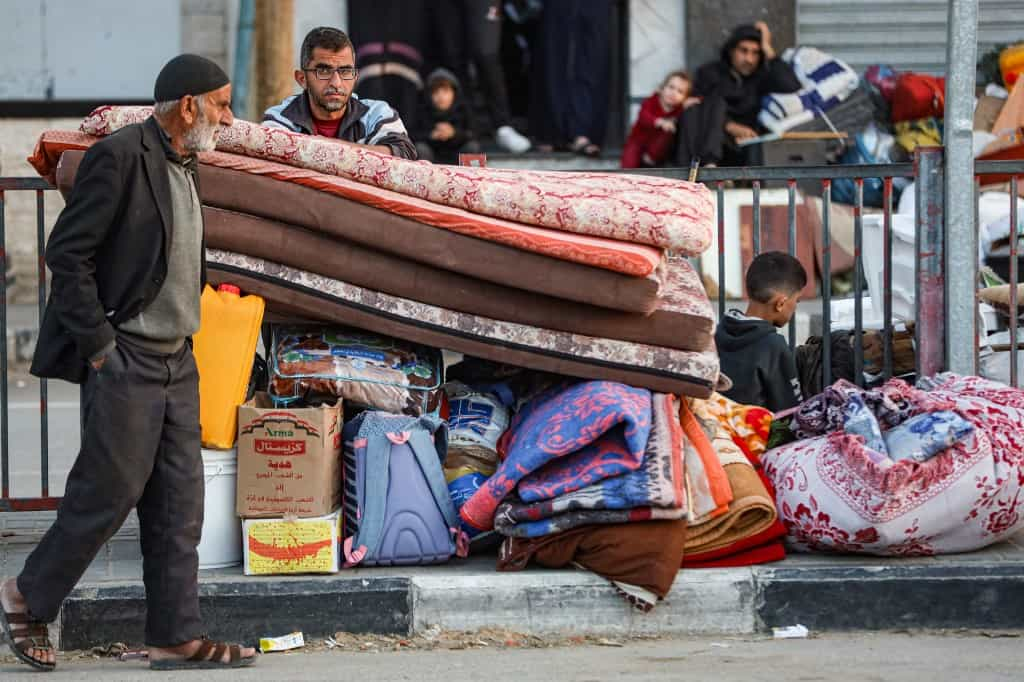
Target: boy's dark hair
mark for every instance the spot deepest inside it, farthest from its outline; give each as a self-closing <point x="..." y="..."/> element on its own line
<point x="773" y="273"/>
<point x="680" y="73"/>
<point x="326" y="38"/>
<point x="440" y="82"/>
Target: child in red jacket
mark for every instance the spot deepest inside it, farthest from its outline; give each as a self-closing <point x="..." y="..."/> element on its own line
<point x="652" y="135"/>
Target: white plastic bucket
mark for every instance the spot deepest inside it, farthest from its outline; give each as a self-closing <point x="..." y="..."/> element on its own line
<point x="221" y="545"/>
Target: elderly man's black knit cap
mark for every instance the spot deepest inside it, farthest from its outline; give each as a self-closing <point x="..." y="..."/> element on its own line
<point x="188" y="74"/>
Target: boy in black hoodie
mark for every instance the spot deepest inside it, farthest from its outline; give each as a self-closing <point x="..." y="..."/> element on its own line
<point x="444" y="123"/>
<point x="753" y="354"/>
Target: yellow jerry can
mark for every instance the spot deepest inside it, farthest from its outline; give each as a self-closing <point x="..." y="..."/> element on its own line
<point x="229" y="330"/>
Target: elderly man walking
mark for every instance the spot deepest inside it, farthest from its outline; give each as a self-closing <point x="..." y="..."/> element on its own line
<point x="127" y="257"/>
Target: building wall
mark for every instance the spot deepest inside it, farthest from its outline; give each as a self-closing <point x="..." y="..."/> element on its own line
<point x="865" y="32"/>
<point x="709" y="23"/>
<point x="657" y="43"/>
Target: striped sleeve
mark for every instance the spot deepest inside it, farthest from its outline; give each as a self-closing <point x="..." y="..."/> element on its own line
<point x="384" y="127"/>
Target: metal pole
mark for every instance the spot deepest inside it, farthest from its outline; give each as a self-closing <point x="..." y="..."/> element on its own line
<point x="931" y="321"/>
<point x="961" y="232"/>
<point x="243" y="58"/>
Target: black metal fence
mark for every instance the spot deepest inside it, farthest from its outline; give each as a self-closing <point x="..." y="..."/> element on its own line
<point x="929" y="291"/>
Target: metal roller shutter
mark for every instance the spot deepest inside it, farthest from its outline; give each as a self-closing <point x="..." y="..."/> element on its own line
<point x="908" y="34"/>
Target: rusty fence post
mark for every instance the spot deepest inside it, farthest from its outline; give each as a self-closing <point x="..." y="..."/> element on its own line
<point x="930" y="282"/>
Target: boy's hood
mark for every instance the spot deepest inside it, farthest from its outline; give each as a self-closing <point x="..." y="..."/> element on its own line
<point x="443" y="74"/>
<point x="736" y="331"/>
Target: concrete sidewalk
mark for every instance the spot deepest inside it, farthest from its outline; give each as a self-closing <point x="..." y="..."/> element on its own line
<point x="981" y="590"/>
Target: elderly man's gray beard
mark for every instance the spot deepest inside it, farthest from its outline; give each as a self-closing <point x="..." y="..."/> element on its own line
<point x="202" y="137"/>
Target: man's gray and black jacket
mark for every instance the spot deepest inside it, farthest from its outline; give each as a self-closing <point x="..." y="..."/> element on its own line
<point x="366" y="121"/>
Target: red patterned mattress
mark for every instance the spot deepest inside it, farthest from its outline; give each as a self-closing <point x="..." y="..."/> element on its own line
<point x="374" y="228"/>
<point x="667" y="214"/>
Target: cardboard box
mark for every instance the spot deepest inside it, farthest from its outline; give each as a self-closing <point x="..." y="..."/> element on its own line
<point x="282" y="546"/>
<point x="987" y="111"/>
<point x="289" y="460"/>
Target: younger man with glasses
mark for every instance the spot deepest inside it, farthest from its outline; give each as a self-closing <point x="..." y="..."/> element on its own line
<point x="327" y="106"/>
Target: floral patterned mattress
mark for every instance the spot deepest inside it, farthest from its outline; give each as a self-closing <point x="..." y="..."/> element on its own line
<point x="661" y="213"/>
<point x="352" y="225"/>
<point x="295" y="294"/>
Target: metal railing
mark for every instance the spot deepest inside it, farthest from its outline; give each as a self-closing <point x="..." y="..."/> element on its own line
<point x="44" y="501"/>
<point x="930" y="304"/>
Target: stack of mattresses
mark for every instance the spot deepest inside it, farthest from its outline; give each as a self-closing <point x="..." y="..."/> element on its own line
<point x="561" y="272"/>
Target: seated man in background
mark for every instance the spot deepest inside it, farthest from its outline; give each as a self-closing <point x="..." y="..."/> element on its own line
<point x="731" y="89"/>
<point x="329" y="107"/>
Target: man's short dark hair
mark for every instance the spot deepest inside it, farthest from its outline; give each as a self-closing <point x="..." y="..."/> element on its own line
<point x="774" y="273"/>
<point x="326" y="38"/>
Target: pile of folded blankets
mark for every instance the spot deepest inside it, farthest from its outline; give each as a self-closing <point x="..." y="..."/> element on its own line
<point x="630" y="484"/>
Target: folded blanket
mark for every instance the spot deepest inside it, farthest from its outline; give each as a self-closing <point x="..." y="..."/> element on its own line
<point x="751" y="511"/>
<point x="766" y="553"/>
<point x="641" y="560"/>
<point x="748" y="425"/>
<point x="826" y="82"/>
<point x="654" y="491"/>
<point x="670" y="214"/>
<point x="578" y="434"/>
<point x="707" y="485"/>
<point x="578" y="517"/>
<point x="755" y="544"/>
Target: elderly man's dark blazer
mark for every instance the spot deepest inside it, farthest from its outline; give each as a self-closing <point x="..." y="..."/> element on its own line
<point x="108" y="250"/>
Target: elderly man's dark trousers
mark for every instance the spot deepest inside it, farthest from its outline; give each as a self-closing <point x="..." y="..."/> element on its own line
<point x="140" y="448"/>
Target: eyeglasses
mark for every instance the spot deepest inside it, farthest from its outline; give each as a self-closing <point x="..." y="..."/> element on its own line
<point x="325" y="73"/>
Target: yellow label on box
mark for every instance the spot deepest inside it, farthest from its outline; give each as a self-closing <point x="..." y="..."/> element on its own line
<point x="301" y="546"/>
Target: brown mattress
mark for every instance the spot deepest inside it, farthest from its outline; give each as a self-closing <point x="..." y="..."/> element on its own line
<point x="298" y="294"/>
<point x="411" y="240"/>
<point x="684" y="320"/>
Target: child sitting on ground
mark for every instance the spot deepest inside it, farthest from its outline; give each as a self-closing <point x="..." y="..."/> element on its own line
<point x="444" y="125"/>
<point x="753" y="354"/>
<point x="651" y="138"/>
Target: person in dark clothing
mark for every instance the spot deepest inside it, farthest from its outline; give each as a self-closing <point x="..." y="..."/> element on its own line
<point x="392" y="36"/>
<point x="731" y="89"/>
<point x="445" y="122"/>
<point x="753" y="354"/>
<point x="128" y="261"/>
<point x="570" y="94"/>
<point x="470" y="31"/>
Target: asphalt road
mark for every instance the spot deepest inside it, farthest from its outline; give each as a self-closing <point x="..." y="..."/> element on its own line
<point x="889" y="657"/>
